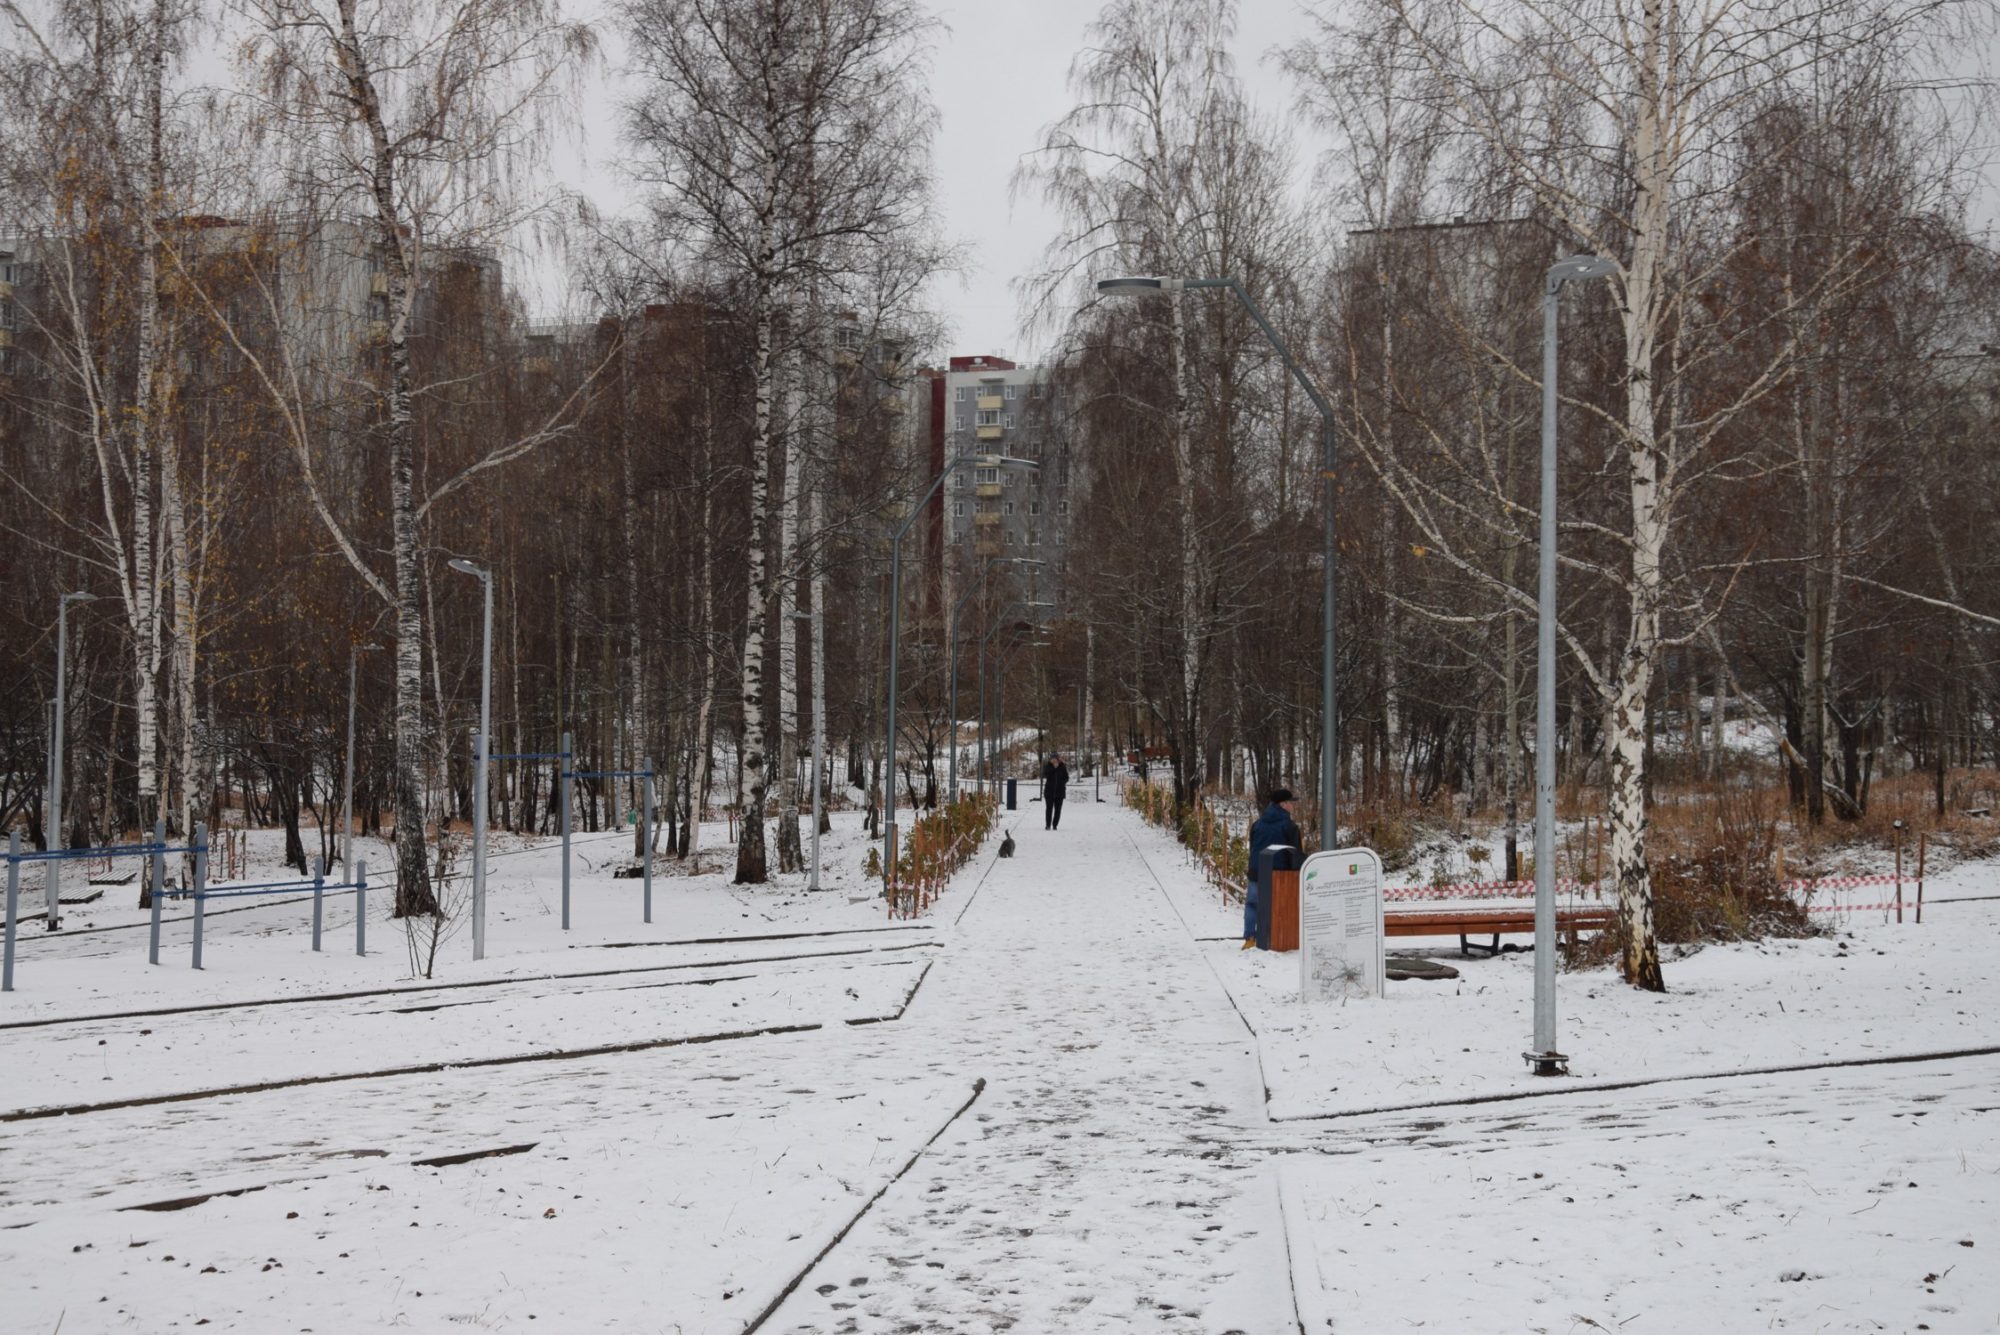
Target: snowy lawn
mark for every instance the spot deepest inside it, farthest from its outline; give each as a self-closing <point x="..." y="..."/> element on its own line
<point x="1873" y="988"/>
<point x="628" y="1214"/>
<point x="264" y="950"/>
<point x="1851" y="1200"/>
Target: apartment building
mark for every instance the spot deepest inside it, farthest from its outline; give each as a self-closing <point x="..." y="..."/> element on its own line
<point x="989" y="405"/>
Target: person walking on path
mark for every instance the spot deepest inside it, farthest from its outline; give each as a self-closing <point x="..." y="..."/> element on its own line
<point x="1274" y="829"/>
<point x="1055" y="786"/>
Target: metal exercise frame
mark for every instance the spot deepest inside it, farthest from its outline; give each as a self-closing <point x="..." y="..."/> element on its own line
<point x="645" y="820"/>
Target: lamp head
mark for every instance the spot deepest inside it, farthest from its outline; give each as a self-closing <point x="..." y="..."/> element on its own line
<point x="466" y="567"/>
<point x="80" y="596"/>
<point x="1005" y="461"/>
<point x="367" y="648"/>
<point x="1575" y="268"/>
<point x="1138" y="287"/>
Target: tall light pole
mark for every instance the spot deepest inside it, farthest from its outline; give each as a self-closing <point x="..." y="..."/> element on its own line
<point x="1545" y="1060"/>
<point x="895" y="632"/>
<point x="484" y="748"/>
<point x="951" y="785"/>
<point x="52" y="883"/>
<point x="354" y="653"/>
<point x="1329" y="770"/>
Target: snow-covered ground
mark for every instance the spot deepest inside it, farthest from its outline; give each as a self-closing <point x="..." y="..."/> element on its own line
<point x="1058" y="1103"/>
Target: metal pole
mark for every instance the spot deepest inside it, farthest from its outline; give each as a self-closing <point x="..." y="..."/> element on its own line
<point x="1329" y="724"/>
<point x="563" y="801"/>
<point x="1545" y="1058"/>
<point x="52" y="882"/>
<point x="819" y="728"/>
<point x="157" y="872"/>
<point x="14" y="905"/>
<point x="646" y="828"/>
<point x="200" y="893"/>
<point x="347" y="784"/>
<point x="319" y="899"/>
<point x="361" y="907"/>
<point x="479" y="775"/>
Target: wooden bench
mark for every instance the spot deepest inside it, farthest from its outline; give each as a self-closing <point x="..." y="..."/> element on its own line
<point x="1512" y="921"/>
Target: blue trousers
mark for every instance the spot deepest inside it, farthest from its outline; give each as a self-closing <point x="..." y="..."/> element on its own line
<point x="1250" y="911"/>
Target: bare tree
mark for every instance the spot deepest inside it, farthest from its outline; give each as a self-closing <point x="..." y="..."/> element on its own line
<point x="419" y="116"/>
<point x="780" y="139"/>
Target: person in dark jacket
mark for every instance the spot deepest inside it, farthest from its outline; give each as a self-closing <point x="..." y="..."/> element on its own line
<point x="1275" y="828"/>
<point x="1055" y="786"/>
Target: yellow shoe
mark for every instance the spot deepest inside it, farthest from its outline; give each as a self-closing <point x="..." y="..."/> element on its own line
<point x="1249" y="943"/>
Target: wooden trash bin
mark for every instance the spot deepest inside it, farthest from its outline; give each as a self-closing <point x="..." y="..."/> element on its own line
<point x="1284" y="910"/>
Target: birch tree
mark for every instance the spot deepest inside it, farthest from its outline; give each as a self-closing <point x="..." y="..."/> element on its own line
<point x="1613" y="124"/>
<point x="422" y="118"/>
<point x="1153" y="86"/>
<point x="778" y="137"/>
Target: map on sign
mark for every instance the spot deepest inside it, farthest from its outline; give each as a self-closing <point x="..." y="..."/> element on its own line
<point x="1340" y="925"/>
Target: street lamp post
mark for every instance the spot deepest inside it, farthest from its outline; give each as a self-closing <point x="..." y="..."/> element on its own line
<point x="1329" y="772"/>
<point x="347" y="784"/>
<point x="52" y="882"/>
<point x="1545" y="1059"/>
<point x="895" y="633"/>
<point x="481" y="751"/>
<point x="951" y="784"/>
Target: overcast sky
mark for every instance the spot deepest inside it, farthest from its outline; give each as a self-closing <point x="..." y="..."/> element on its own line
<point x="999" y="78"/>
<point x="1000" y="75"/>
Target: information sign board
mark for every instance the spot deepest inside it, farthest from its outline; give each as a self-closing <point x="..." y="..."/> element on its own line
<point x="1340" y="925"/>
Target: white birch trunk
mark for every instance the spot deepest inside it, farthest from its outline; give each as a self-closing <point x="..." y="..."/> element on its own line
<point x="1190" y="743"/>
<point x="628" y="537"/>
<point x="1626" y="745"/>
<point x="413" y="887"/>
<point x="144" y="610"/>
<point x="790" y="854"/>
<point x="751" y="864"/>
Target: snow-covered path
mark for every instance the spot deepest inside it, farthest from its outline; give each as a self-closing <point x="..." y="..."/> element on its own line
<point x="1097" y="1184"/>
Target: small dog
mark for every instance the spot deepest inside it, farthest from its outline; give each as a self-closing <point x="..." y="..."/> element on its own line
<point x="1007" y="845"/>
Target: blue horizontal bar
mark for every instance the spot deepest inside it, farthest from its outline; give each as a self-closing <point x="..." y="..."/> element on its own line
<point x="264" y="885"/>
<point x="234" y="891"/>
<point x="114" y="851"/>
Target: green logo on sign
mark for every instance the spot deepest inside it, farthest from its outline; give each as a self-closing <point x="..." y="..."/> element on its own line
<point x="1353" y="869"/>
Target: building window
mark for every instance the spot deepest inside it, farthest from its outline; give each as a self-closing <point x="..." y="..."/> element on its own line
<point x="964" y="393"/>
<point x="987" y="475"/>
<point x="1007" y="509"/>
<point x="1008" y="421"/>
<point x="1062" y="507"/>
<point x="1034" y="507"/>
<point x="1010" y="537"/>
<point x="963" y="421"/>
<point x="1011" y="389"/>
<point x="957" y="512"/>
<point x="1034" y="537"/>
<point x="989" y="417"/>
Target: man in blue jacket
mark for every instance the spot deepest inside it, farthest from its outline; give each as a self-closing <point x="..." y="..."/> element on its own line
<point x="1274" y="828"/>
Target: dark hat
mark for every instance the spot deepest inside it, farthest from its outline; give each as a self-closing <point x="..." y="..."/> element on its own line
<point x="1281" y="795"/>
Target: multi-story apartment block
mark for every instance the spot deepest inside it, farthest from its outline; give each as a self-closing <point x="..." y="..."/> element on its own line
<point x="989" y="405"/>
